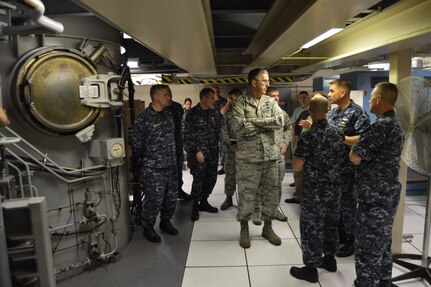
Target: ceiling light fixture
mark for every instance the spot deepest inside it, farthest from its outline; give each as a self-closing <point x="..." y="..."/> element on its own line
<point x="322" y="37"/>
<point x="132" y="64"/>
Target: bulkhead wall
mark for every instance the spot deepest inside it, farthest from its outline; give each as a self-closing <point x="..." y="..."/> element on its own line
<point x="99" y="202"/>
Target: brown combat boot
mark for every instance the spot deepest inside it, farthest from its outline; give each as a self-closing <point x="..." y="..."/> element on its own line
<point x="269" y="234"/>
<point x="244" y="237"/>
<point x="227" y="203"/>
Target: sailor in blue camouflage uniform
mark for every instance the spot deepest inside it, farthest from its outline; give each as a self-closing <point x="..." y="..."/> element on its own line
<point x="201" y="139"/>
<point x="352" y="120"/>
<point x="177" y="113"/>
<point x="319" y="153"/>
<point x="377" y="154"/>
<point x="153" y="143"/>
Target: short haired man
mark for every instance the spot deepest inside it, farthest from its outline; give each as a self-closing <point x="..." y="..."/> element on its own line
<point x="153" y="144"/>
<point x="352" y="120"/>
<point x="201" y="139"/>
<point x="257" y="118"/>
<point x="304" y="100"/>
<point x="177" y="113"/>
<point x="229" y="141"/>
<point x="220" y="102"/>
<point x="377" y="154"/>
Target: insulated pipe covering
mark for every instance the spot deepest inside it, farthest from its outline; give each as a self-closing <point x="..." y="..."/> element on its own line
<point x="38" y="17"/>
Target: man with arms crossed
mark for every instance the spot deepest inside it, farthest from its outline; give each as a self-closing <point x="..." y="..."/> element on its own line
<point x="257" y="118"/>
<point x="377" y="155"/>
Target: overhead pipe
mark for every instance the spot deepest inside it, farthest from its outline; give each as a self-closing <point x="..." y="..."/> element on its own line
<point x="37" y="16"/>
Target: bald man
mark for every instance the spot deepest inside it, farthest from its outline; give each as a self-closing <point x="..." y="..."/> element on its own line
<point x="319" y="154"/>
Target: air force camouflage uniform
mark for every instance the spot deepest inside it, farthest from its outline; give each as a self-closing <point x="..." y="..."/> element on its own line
<point x="177" y="113"/>
<point x="218" y="105"/>
<point x="202" y="134"/>
<point x="153" y="143"/>
<point x="322" y="150"/>
<point x="228" y="138"/>
<point x="378" y="191"/>
<point x="353" y="120"/>
<point x="282" y="136"/>
<point x="256" y="123"/>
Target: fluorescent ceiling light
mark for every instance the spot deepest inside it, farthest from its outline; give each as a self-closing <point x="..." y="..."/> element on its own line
<point x="378" y="66"/>
<point x="132" y="64"/>
<point x="126" y="36"/>
<point x="322" y="37"/>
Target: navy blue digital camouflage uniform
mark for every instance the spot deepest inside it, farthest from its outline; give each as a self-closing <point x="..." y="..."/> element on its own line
<point x="353" y="120"/>
<point x="202" y="128"/>
<point x="378" y="190"/>
<point x="322" y="150"/>
<point x="153" y="143"/>
<point x="177" y="113"/>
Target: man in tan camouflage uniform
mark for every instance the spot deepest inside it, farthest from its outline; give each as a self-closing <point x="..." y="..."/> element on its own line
<point x="257" y="118"/>
<point x="230" y="143"/>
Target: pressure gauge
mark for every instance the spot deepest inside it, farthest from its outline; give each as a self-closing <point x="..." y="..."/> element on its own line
<point x="112" y="148"/>
<point x="116" y="150"/>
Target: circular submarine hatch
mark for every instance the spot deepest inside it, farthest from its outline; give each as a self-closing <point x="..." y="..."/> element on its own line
<point x="48" y="90"/>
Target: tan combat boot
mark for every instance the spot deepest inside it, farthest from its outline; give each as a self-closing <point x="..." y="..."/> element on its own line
<point x="269" y="234"/>
<point x="244" y="237"/>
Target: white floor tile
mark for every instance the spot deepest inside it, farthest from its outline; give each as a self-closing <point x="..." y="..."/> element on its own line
<point x="417" y="206"/>
<point x="410" y="212"/>
<point x="216" y="277"/>
<point x="291" y="210"/>
<point x="294" y="225"/>
<point x="216" y="200"/>
<point x="221" y="215"/>
<point x="226" y="230"/>
<point x="350" y="259"/>
<point x="275" y="276"/>
<point x="282" y="229"/>
<point x="417" y="242"/>
<point x="344" y="276"/>
<point x="216" y="259"/>
<point x="413" y="224"/>
<point x="262" y="252"/>
<point x="215" y="253"/>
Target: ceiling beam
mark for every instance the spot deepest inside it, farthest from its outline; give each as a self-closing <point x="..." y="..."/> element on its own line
<point x="180" y="31"/>
<point x="291" y="24"/>
<point x="405" y="25"/>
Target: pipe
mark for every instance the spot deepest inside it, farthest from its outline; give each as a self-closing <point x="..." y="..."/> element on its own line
<point x="38" y="17"/>
<point x="39" y="10"/>
<point x="21" y="185"/>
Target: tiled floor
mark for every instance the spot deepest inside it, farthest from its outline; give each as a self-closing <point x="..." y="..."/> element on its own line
<point x="216" y="259"/>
